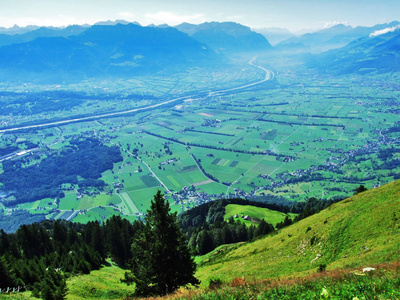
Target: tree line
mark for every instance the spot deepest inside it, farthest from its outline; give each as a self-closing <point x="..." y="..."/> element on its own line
<point x="175" y="140"/>
<point x="208" y="237"/>
<point x="205" y="228"/>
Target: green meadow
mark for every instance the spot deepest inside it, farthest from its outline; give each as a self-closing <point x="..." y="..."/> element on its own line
<point x="256" y="213"/>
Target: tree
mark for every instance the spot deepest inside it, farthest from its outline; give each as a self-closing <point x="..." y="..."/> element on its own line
<point x="360" y="189"/>
<point x="119" y="235"/>
<point x="162" y="261"/>
<point x="6" y="274"/>
<point x="205" y="242"/>
<point x="53" y="285"/>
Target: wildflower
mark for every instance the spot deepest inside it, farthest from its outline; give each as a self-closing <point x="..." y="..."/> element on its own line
<point x="324" y="293"/>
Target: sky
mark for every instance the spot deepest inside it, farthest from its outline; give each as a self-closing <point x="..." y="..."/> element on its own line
<point x="295" y="15"/>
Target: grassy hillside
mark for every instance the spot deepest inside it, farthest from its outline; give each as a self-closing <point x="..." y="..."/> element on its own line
<point x="362" y="231"/>
<point x="100" y="284"/>
<point x="357" y="232"/>
<point x="270" y="216"/>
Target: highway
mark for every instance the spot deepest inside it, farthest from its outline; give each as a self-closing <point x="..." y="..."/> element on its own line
<point x="269" y="75"/>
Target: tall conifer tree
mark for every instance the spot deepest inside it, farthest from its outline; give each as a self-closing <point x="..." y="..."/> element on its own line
<point x="162" y="261"/>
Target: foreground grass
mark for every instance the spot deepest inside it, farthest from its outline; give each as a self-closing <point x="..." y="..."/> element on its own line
<point x="100" y="284"/>
<point x="381" y="283"/>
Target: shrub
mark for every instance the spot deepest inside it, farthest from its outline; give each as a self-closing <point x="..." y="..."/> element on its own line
<point x="321" y="268"/>
<point x="215" y="284"/>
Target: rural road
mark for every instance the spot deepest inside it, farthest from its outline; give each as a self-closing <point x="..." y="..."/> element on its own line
<point x="269" y="75"/>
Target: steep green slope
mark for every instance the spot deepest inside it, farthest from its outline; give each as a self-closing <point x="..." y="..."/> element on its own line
<point x="361" y="230"/>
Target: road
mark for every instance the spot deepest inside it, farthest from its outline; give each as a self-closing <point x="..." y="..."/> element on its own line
<point x="269" y="75"/>
<point x="100" y="116"/>
<point x="11" y="155"/>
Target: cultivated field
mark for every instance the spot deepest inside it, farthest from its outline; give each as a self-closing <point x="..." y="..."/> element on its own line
<point x="297" y="136"/>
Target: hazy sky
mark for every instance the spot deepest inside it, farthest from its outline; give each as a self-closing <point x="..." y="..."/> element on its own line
<point x="294" y="15"/>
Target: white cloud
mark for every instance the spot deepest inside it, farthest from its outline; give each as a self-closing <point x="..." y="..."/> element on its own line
<point x="384" y="31"/>
<point x="174" y="19"/>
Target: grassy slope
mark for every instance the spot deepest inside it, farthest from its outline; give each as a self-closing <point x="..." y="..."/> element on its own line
<point x="270" y="216"/>
<point x="101" y="284"/>
<point x="361" y="230"/>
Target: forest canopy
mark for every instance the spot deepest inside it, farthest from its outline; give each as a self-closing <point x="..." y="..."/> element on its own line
<point x="84" y="158"/>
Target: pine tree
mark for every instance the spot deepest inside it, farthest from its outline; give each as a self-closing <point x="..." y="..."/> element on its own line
<point x="360" y="189"/>
<point x="162" y="260"/>
<point x="53" y="286"/>
<point x="119" y="238"/>
<point x="205" y="242"/>
<point x="6" y="274"/>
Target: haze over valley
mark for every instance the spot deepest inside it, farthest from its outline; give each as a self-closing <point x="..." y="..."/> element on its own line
<point x="201" y="112"/>
<point x="242" y="124"/>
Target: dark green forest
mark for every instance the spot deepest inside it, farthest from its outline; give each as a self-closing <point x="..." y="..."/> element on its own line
<point x="86" y="158"/>
<point x="39" y="257"/>
<point x="48" y="101"/>
<point x="205" y="228"/>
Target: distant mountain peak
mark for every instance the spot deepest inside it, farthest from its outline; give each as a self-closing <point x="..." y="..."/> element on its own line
<point x="226" y="36"/>
<point x="338" y="26"/>
<point x="111" y="23"/>
<point x="17" y="29"/>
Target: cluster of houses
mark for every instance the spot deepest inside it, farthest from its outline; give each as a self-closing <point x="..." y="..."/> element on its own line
<point x="247" y="218"/>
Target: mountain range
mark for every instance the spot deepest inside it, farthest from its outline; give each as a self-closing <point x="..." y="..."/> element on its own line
<point x="119" y="50"/>
<point x="122" y="49"/>
<point x="330" y="38"/>
<point x="7" y="39"/>
<point x="227" y="37"/>
<point x="275" y="35"/>
<point x="377" y="52"/>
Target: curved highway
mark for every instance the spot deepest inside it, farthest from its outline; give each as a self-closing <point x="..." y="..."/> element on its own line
<point x="269" y="75"/>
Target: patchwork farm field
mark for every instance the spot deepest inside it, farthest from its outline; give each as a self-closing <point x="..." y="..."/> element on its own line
<point x="296" y="136"/>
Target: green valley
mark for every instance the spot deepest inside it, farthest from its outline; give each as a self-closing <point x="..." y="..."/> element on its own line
<point x="296" y="136"/>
